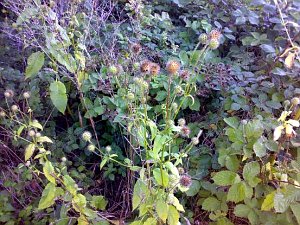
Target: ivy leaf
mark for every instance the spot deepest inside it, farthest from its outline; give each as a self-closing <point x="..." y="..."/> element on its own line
<point x="29" y="151"/>
<point x="162" y="210"/>
<point x="35" y="62"/>
<point x="211" y="204"/>
<point x="48" y="171"/>
<point x="173" y="216"/>
<point x="48" y="196"/>
<point x="225" y="178"/>
<point x="58" y="95"/>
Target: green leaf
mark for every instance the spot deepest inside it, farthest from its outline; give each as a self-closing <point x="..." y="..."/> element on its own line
<point x="48" y="171"/>
<point x="161" y="177"/>
<point x="79" y="202"/>
<point x="36" y="124"/>
<point x="29" y="151"/>
<point x="48" y="196"/>
<point x="232" y="121"/>
<point x="43" y="139"/>
<point x="232" y="163"/>
<point x="173" y="216"/>
<point x="196" y="105"/>
<point x="224" y="178"/>
<point x="296" y="210"/>
<point x="260" y="148"/>
<point x="69" y="184"/>
<point x="211" y="204"/>
<point x="194" y="188"/>
<point x="140" y="191"/>
<point x="35" y="62"/>
<point x="99" y="202"/>
<point x="161" y="95"/>
<point x="162" y="210"/>
<point x="268" y="203"/>
<point x="158" y="145"/>
<point x="150" y="221"/>
<point x="58" y="95"/>
<point x="242" y="210"/>
<point x="250" y="171"/>
<point x="238" y="192"/>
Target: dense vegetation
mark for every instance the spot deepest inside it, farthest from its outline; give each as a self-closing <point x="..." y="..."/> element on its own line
<point x="149" y="112"/>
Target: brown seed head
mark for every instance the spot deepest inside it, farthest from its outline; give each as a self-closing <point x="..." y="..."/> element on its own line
<point x="136" y="48"/>
<point x="145" y="66"/>
<point x="215" y="35"/>
<point x="185" y="181"/>
<point x="155" y="69"/>
<point x="173" y="66"/>
<point x="184" y="75"/>
<point x="185" y="131"/>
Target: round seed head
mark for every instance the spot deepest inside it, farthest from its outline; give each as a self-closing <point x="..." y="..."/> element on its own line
<point x="38" y="134"/>
<point x="185" y="131"/>
<point x="155" y="69"/>
<point x="145" y="66"/>
<point x="108" y="148"/>
<point x="63" y="159"/>
<point x="143" y="100"/>
<point x="130" y="96"/>
<point x="91" y="147"/>
<point x="136" y="48"/>
<point x="178" y="90"/>
<point x="203" y="38"/>
<point x="2" y="114"/>
<point x="26" y="94"/>
<point x="181" y="122"/>
<point x="113" y="70"/>
<point x="184" y="75"/>
<point x="195" y="140"/>
<point x="173" y="66"/>
<point x="185" y="181"/>
<point x="215" y="34"/>
<point x="14" y="108"/>
<point x="9" y="93"/>
<point x="86" y="136"/>
<point x="174" y="106"/>
<point x="214" y="44"/>
<point x="295" y="101"/>
<point x="31" y="133"/>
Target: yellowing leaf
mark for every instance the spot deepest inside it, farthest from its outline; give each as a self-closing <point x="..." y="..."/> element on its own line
<point x="268" y="203"/>
<point x="173" y="216"/>
<point x="29" y="151"/>
<point x="162" y="210"/>
<point x="289" y="60"/>
<point x="48" y="196"/>
<point x="48" y="171"/>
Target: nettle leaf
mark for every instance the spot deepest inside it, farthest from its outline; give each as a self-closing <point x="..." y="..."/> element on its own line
<point x="162" y="210"/>
<point x="161" y="177"/>
<point x="48" y="196"/>
<point x="35" y="62"/>
<point x="225" y="178"/>
<point x="29" y="151"/>
<point x="58" y="95"/>
<point x="250" y="171"/>
<point x="211" y="204"/>
<point x="49" y="171"/>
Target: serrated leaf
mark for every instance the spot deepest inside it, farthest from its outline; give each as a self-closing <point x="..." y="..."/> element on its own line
<point x="48" y="171"/>
<point x="48" y="196"/>
<point x="162" y="210"/>
<point x="225" y="178"/>
<point x="34" y="63"/>
<point x="260" y="148"/>
<point x="250" y="171"/>
<point x="161" y="177"/>
<point x="242" y="210"/>
<point x="211" y="204"/>
<point x="58" y="95"/>
<point x="29" y="151"/>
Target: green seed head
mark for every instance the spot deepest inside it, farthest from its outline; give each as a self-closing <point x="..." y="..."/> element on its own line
<point x="113" y="70"/>
<point x="214" y="44"/>
<point x="91" y="147"/>
<point x="130" y="96"/>
<point x="86" y="136"/>
<point x="203" y="38"/>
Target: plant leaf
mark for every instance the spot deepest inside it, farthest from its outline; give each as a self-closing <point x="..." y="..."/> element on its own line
<point x="35" y="62"/>
<point x="58" y="95"/>
<point x="48" y="196"/>
<point x="29" y="151"/>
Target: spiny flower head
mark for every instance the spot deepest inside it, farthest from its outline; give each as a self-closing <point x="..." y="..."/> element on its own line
<point x="136" y="48"/>
<point x="184" y="75"/>
<point x="214" y="44"/>
<point x="86" y="136"/>
<point x="154" y="69"/>
<point x="26" y="94"/>
<point x="181" y="122"/>
<point x="203" y="38"/>
<point x="185" y="181"/>
<point x="173" y="66"/>
<point x="91" y="147"/>
<point x="215" y="34"/>
<point x="145" y="66"/>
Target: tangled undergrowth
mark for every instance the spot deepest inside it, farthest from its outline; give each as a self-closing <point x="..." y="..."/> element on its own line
<point x="162" y="112"/>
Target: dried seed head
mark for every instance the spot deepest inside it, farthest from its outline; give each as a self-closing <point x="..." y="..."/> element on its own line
<point x="31" y="133"/>
<point x="185" y="181"/>
<point x="9" y="93"/>
<point x="136" y="48"/>
<point x="185" y="131"/>
<point x="86" y="136"/>
<point x="63" y="159"/>
<point x="181" y="170"/>
<point x="195" y="140"/>
<point x="172" y="66"/>
<point x="14" y="108"/>
<point x="214" y="44"/>
<point x="91" y="147"/>
<point x="184" y="75"/>
<point x="203" y="38"/>
<point x="38" y="134"/>
<point x="26" y="94"/>
<point x="145" y="66"/>
<point x="215" y="34"/>
<point x="108" y="148"/>
<point x="2" y="114"/>
<point x="295" y="101"/>
<point x="113" y="70"/>
<point x="181" y="122"/>
<point x="155" y="69"/>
